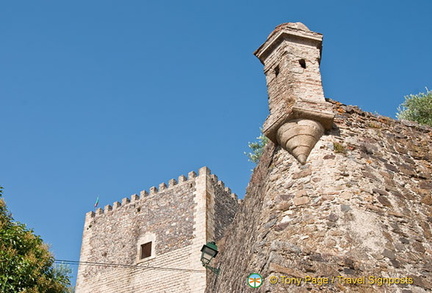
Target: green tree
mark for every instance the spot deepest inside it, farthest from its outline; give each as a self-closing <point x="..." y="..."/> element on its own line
<point x="257" y="148"/>
<point x="417" y="108"/>
<point x="26" y="265"/>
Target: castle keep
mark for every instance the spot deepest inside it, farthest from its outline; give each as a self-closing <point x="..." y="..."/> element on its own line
<point x="151" y="242"/>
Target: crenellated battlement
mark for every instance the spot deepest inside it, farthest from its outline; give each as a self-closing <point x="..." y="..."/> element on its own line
<point x="162" y="187"/>
<point x="220" y="183"/>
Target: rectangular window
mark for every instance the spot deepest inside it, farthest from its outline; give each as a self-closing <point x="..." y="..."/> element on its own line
<point x="146" y="249"/>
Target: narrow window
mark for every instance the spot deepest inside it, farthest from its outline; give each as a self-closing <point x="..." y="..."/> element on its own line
<point x="276" y="70"/>
<point x="302" y="63"/>
<point x="146" y="249"/>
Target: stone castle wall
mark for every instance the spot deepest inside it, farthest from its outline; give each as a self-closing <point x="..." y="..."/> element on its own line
<point x="175" y="218"/>
<point x="225" y="209"/>
<point x="360" y="207"/>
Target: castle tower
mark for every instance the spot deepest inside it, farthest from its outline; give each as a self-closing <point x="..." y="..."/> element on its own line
<point x="151" y="242"/>
<point x="299" y="113"/>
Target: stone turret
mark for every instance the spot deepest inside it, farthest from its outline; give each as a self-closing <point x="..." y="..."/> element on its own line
<point x="299" y="114"/>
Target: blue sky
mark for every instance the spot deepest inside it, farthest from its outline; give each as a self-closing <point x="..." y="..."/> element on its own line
<point x="107" y="98"/>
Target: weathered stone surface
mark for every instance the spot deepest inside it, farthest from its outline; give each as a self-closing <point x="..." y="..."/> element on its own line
<point x="427" y="199"/>
<point x="362" y="208"/>
<point x="384" y="201"/>
<point x="302" y="173"/>
<point x="390" y="254"/>
<point x="376" y="215"/>
<point x="301" y="200"/>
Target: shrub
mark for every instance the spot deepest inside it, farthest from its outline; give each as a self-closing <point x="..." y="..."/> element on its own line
<point x="257" y="148"/>
<point x="417" y="108"/>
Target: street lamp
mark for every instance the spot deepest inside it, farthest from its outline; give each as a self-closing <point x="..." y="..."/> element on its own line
<point x="208" y="252"/>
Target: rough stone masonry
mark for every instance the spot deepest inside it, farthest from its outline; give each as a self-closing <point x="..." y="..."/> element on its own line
<point x="151" y="242"/>
<point x="353" y="214"/>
